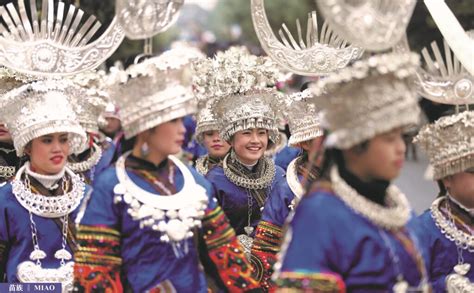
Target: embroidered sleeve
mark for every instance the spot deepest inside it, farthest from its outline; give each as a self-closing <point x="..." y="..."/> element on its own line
<point x="310" y="282"/>
<point x="97" y="261"/>
<point x="265" y="247"/>
<point x="225" y="252"/>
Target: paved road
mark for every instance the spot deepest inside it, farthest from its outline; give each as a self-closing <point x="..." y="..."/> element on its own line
<point x="419" y="191"/>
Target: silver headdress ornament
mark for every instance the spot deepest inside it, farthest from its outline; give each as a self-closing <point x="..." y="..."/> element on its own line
<point x="449" y="143"/>
<point x="375" y="25"/>
<point x="370" y="97"/>
<point x="42" y="108"/>
<point x="460" y="42"/>
<point x="146" y="18"/>
<point x="319" y="55"/>
<point x="155" y="91"/>
<point x="56" y="44"/>
<point x="237" y="83"/>
<point x="445" y="81"/>
<point x="303" y="118"/>
<point x="89" y="107"/>
<point x="206" y="120"/>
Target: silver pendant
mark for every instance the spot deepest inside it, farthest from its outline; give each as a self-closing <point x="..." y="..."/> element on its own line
<point x="63" y="254"/>
<point x="37" y="254"/>
<point x="29" y="272"/>
<point x="457" y="282"/>
<point x="401" y="286"/>
<point x="248" y="230"/>
<point x="246" y="243"/>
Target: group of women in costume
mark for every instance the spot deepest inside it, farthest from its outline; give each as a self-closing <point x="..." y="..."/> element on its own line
<point x="98" y="215"/>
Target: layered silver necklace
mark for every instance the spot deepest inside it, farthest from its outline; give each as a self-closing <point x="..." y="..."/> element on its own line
<point x="174" y="215"/>
<point x="7" y="171"/>
<point x="262" y="182"/>
<point x="90" y="163"/>
<point x="202" y="165"/>
<point x="48" y="207"/>
<point x="393" y="217"/>
<point x="457" y="281"/>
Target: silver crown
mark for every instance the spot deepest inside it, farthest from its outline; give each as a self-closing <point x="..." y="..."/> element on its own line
<point x="146" y="18"/>
<point x="303" y="118"/>
<point x="318" y="55"/>
<point x="89" y="107"/>
<point x="206" y="120"/>
<point x="41" y="108"/>
<point x="449" y="143"/>
<point x="154" y="91"/>
<point x="445" y="80"/>
<point x="370" y="97"/>
<point x="375" y="25"/>
<point x="237" y="84"/>
<point x="56" y="44"/>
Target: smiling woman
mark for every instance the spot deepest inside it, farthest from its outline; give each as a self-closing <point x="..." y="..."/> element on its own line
<point x="246" y="114"/>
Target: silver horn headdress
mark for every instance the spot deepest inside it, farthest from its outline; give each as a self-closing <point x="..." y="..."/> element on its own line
<point x="375" y="25"/>
<point x="320" y="54"/>
<point x="57" y="44"/>
<point x="461" y="43"/>
<point x="445" y="80"/>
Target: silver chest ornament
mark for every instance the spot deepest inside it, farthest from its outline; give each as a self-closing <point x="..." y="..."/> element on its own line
<point x="48" y="207"/>
<point x="174" y="216"/>
<point x="29" y="272"/>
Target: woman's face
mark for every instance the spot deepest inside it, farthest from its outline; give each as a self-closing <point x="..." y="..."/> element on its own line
<point x="461" y="187"/>
<point x="216" y="147"/>
<point x="48" y="153"/>
<point x="250" y="144"/>
<point x="315" y="149"/>
<point x="383" y="159"/>
<point x="5" y="134"/>
<point x="166" y="138"/>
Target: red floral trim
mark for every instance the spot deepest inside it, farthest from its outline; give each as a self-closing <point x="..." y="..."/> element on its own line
<point x="225" y="251"/>
<point x="97" y="261"/>
<point x="265" y="247"/>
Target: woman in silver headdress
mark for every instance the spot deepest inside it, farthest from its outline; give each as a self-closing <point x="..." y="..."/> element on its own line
<point x="447" y="228"/>
<point x="149" y="214"/>
<point x="361" y="234"/>
<point x="306" y="134"/>
<point x="246" y="109"/>
<point x="99" y="150"/>
<point x="38" y="208"/>
<point x="9" y="161"/>
<point x="207" y="133"/>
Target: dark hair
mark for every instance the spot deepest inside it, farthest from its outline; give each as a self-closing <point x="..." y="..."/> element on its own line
<point x="442" y="189"/>
<point x="334" y="156"/>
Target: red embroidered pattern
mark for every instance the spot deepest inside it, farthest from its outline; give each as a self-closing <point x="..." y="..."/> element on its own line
<point x="226" y="252"/>
<point x="97" y="261"/>
<point x="265" y="247"/>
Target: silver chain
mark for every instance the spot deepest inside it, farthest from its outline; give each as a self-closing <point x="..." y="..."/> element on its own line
<point x="457" y="242"/>
<point x="34" y="236"/>
<point x="34" y="231"/>
<point x="249" y="205"/>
